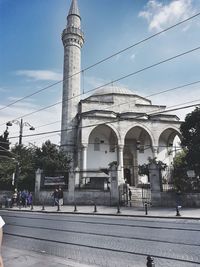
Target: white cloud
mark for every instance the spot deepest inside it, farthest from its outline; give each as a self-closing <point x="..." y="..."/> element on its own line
<point x="41" y="75"/>
<point x="160" y="16"/>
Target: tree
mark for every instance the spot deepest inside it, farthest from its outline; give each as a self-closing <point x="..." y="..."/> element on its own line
<point x="4" y="144"/>
<point x="190" y="130"/>
<point x="50" y="159"/>
<point x="7" y="168"/>
<point x="26" y="160"/>
<point x="24" y="166"/>
<point x="144" y="168"/>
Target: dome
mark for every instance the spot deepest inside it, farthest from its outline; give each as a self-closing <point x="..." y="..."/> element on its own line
<point x="113" y="90"/>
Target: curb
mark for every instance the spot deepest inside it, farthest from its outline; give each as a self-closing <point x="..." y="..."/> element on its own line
<point x="103" y="214"/>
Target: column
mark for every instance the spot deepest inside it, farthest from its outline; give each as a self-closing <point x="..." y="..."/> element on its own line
<point x="84" y="159"/>
<point x="38" y="175"/>
<point x="121" y="164"/>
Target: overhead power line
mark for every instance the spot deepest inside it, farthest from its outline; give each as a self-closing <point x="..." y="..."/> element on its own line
<point x="111" y="121"/>
<point x="118" y="79"/>
<point x="103" y="60"/>
<point x="129" y="102"/>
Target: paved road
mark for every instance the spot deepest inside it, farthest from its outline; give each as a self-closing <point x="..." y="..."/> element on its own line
<point x="105" y="241"/>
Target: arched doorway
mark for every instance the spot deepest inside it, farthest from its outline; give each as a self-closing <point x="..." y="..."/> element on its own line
<point x="137" y="150"/>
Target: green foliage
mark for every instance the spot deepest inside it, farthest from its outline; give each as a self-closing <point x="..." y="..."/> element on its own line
<point x="4" y="144"/>
<point x="26" y="160"/>
<point x="50" y="158"/>
<point x="25" y="157"/>
<point x="144" y="168"/>
<point x="189" y="159"/>
<point x="7" y="168"/>
<point x="190" y="130"/>
<point x="181" y="180"/>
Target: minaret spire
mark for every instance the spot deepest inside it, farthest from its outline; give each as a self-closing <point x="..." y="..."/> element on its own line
<point x="73" y="40"/>
<point x="74" y="10"/>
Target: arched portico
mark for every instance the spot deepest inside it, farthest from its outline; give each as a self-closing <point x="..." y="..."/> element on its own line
<point x="102" y="147"/>
<point x="137" y="149"/>
<point x="168" y="144"/>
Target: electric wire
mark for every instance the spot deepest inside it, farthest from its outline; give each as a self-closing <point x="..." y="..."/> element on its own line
<point x="103" y="60"/>
<point x="108" y="122"/>
<point x="129" y="102"/>
<point x="116" y="80"/>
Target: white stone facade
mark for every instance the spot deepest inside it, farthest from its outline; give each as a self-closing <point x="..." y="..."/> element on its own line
<point x="127" y="135"/>
<point x="111" y="125"/>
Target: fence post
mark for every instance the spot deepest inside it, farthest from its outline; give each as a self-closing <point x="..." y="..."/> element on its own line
<point x="150" y="261"/>
<point x="75" y="207"/>
<point x="95" y="207"/>
<point x="146" y="208"/>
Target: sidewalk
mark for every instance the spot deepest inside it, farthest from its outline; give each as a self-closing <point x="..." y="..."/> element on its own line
<point x="21" y="258"/>
<point x="186" y="213"/>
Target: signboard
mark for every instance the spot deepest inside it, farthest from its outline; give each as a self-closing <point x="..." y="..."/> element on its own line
<point x="56" y="180"/>
<point x="191" y="173"/>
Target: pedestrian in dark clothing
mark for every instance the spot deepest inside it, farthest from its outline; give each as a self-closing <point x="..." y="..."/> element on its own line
<point x="30" y="199"/>
<point x="129" y="194"/>
<point x="24" y="197"/>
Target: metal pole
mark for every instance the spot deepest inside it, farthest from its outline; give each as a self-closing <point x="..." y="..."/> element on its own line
<point x="146" y="208"/>
<point x="43" y="208"/>
<point x="177" y="211"/>
<point x="17" y="175"/>
<point x="20" y="131"/>
<point x="95" y="207"/>
<point x="75" y="207"/>
<point x="150" y="261"/>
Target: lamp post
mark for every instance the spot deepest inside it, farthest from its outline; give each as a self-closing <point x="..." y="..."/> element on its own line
<point x="21" y="126"/>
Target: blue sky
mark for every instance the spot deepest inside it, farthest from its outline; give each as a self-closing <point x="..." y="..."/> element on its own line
<point x="31" y="54"/>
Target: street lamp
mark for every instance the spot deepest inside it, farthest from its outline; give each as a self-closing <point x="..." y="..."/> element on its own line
<point x="21" y="125"/>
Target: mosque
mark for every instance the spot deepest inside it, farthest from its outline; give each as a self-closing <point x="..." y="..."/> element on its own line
<point x="111" y="126"/>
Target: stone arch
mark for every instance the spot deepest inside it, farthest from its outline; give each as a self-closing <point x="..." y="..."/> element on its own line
<point x="146" y="129"/>
<point x="107" y="147"/>
<point x="168" y="144"/>
<point x="87" y="132"/>
<point x="138" y="147"/>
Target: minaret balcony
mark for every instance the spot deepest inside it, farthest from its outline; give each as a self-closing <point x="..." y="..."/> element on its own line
<point x="73" y="30"/>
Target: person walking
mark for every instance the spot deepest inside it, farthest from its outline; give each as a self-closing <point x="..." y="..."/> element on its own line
<point x="56" y="197"/>
<point x="30" y="199"/>
<point x="1" y="236"/>
<point x="60" y="196"/>
<point x="129" y="194"/>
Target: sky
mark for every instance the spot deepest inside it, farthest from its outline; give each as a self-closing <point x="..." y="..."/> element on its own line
<point x="31" y="56"/>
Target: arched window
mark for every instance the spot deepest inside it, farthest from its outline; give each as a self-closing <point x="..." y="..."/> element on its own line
<point x="96" y="144"/>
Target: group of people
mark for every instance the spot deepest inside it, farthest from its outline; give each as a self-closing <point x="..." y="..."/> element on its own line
<point x="58" y="197"/>
<point x="24" y="198"/>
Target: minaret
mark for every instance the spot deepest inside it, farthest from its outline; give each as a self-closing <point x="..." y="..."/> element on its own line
<point x="73" y="40"/>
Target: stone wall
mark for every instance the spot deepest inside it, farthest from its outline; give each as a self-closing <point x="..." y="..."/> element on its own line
<point x="169" y="199"/>
<point x="83" y="197"/>
<point x="89" y="197"/>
